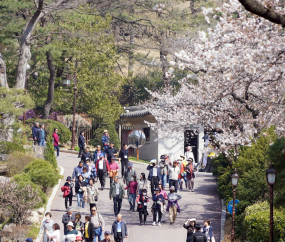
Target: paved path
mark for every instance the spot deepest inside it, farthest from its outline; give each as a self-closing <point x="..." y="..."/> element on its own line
<point x="203" y="203"/>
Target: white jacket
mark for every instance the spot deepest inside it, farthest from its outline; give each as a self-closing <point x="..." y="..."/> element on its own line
<point x="173" y="172"/>
<point x="189" y="154"/>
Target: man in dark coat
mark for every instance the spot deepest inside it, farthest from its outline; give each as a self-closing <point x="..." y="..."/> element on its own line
<point x="102" y="168"/>
<point x="124" y="158"/>
<point x="41" y="136"/>
<point x="119" y="229"/>
<point x="89" y="230"/>
<point x="86" y="155"/>
<point x="34" y="132"/>
<point x="68" y="216"/>
<point x="198" y="236"/>
<point x="154" y="175"/>
<point x="110" y="152"/>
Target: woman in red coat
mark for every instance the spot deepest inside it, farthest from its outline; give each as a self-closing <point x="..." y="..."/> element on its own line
<point x="56" y="141"/>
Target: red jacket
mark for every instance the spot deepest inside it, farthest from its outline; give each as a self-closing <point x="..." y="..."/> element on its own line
<point x="133" y="187"/>
<point x="55" y="139"/>
<point x="106" y="166"/>
<point x="65" y="190"/>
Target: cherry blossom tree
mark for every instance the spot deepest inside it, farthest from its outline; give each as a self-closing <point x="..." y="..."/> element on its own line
<point x="235" y="79"/>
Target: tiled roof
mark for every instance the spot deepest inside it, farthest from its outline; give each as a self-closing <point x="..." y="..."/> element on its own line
<point x="135" y="114"/>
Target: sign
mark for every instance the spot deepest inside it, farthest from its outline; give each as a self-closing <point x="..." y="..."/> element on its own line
<point x="230" y="206"/>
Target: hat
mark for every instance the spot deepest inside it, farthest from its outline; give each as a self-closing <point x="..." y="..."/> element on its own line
<point x="162" y="157"/>
<point x="87" y="159"/>
<point x="105" y="131"/>
<point x="68" y="209"/>
<point x="153" y="161"/>
<point x="107" y="232"/>
<point x="69" y="178"/>
<point x="156" y="189"/>
<point x="182" y="156"/>
<point x="29" y="239"/>
<point x="190" y="159"/>
<point x="78" y="238"/>
<point x="179" y="159"/>
<point x="70" y="224"/>
<point x="175" y="161"/>
<point x="100" y="154"/>
<point x="192" y="219"/>
<point x="130" y="164"/>
<point x="172" y="188"/>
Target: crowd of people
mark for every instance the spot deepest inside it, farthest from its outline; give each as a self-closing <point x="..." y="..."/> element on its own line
<point x="141" y="191"/>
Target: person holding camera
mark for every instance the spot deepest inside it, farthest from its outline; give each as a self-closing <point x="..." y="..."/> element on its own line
<point x="102" y="167"/>
<point x="163" y="165"/>
<point x="142" y="201"/>
<point x="154" y="175"/>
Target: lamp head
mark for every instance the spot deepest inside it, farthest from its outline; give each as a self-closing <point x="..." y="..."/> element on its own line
<point x="271" y="175"/>
<point x="234" y="178"/>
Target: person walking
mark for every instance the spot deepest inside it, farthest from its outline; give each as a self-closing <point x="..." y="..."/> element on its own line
<point x="157" y="203"/>
<point x="78" y="225"/>
<point x="71" y="233"/>
<point x="91" y="169"/>
<point x="99" y="224"/>
<point x="189" y="153"/>
<point x="81" y="143"/>
<point x="41" y="135"/>
<point x="142" y="201"/>
<point x="173" y="206"/>
<point x="184" y="162"/>
<point x="34" y="133"/>
<point x="68" y="216"/>
<point x="54" y="235"/>
<point x="69" y="184"/>
<point x="102" y="167"/>
<point x="88" y="230"/>
<point x="154" y="175"/>
<point x="208" y="230"/>
<point x="85" y="174"/>
<point x="47" y="225"/>
<point x="92" y="193"/>
<point x="97" y="153"/>
<point x="107" y="236"/>
<point x="198" y="236"/>
<point x="110" y="152"/>
<point x="124" y="158"/>
<point x="190" y="226"/>
<point x="114" y="168"/>
<point x="174" y="172"/>
<point x="128" y="175"/>
<point x="77" y="171"/>
<point x="133" y="185"/>
<point x="163" y="165"/>
<point x="86" y="155"/>
<point x="190" y="175"/>
<point x="163" y="207"/>
<point x="181" y="174"/>
<point x="105" y="140"/>
<point x="80" y="186"/>
<point x="142" y="184"/>
<point x="117" y="192"/>
<point x="56" y="142"/>
<point x="119" y="229"/>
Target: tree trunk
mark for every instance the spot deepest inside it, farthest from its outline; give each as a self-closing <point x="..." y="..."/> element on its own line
<point x="131" y="55"/>
<point x="3" y="76"/>
<point x="51" y="82"/>
<point x="192" y="9"/>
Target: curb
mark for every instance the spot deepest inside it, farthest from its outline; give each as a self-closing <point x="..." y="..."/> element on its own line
<point x="223" y="220"/>
<point x="49" y="203"/>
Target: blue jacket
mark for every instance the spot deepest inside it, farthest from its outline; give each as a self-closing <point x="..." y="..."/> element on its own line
<point x="81" y="141"/>
<point x="39" y="135"/>
<point x="210" y="231"/>
<point x="124" y="229"/>
<point x="105" y="140"/>
<point x="151" y="172"/>
<point x="76" y="172"/>
<point x="34" y="131"/>
<point x="156" y="198"/>
<point x="95" y="156"/>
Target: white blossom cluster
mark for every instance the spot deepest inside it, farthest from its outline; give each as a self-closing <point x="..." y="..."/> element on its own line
<point x="236" y="79"/>
<point x="159" y="7"/>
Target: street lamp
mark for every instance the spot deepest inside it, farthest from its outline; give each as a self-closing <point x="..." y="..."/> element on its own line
<point x="271" y="177"/>
<point x="234" y="178"/>
<point x="74" y="107"/>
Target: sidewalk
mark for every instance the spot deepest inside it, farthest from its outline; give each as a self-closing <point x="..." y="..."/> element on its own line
<point x="202" y="204"/>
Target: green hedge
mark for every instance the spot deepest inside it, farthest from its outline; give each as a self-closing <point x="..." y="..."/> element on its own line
<point x="64" y="133"/>
<point x="24" y="180"/>
<point x="7" y="147"/>
<point x="256" y="222"/>
<point x="49" y="152"/>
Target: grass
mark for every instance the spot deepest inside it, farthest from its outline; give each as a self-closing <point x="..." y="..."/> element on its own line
<point x="228" y="230"/>
<point x="33" y="231"/>
<point x="131" y="158"/>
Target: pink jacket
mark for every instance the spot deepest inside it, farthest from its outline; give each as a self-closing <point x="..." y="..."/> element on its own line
<point x="55" y="139"/>
<point x="133" y="187"/>
<point x="164" y="194"/>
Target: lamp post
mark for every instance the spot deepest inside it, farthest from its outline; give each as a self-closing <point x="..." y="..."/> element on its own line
<point x="271" y="177"/>
<point x="234" y="178"/>
<point x="74" y="109"/>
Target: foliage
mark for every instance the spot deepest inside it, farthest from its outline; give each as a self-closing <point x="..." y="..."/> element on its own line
<point x="64" y="133"/>
<point x="17" y="161"/>
<point x="112" y="133"/>
<point x="7" y="147"/>
<point x="76" y="148"/>
<point x="257" y="223"/>
<point x="24" y="180"/>
<point x="17" y="200"/>
<point x="34" y="231"/>
<point x="38" y="164"/>
<point x="49" y="154"/>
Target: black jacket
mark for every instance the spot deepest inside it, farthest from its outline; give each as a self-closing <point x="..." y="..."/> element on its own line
<point x="122" y="155"/>
<point x="86" y="155"/>
<point x="77" y="186"/>
<point x="71" y="188"/>
<point x="81" y="141"/>
<point x="66" y="218"/>
<point x="91" y="230"/>
<point x="198" y="236"/>
<point x="190" y="232"/>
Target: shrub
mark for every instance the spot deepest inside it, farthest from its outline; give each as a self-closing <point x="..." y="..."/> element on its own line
<point x="257" y="223"/>
<point x="17" y="161"/>
<point x="64" y="133"/>
<point x="113" y="136"/>
<point x="7" y="147"/>
<point x="42" y="173"/>
<point x="49" y="152"/>
<point x="24" y="180"/>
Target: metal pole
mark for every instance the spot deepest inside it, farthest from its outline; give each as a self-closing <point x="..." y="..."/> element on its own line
<point x="74" y="109"/>
<point x="233" y="215"/>
<point x="271" y="214"/>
